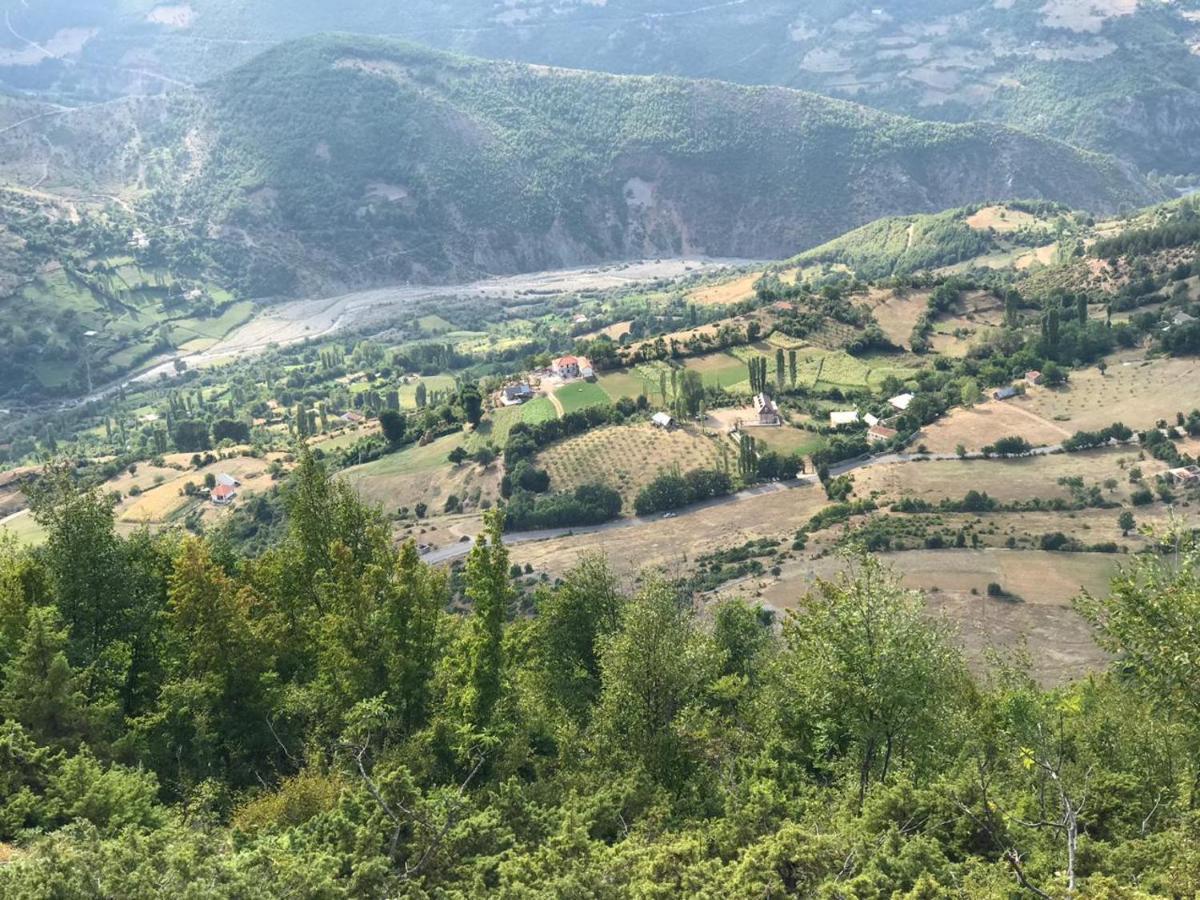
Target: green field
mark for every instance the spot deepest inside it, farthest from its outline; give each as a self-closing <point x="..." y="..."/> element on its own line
<point x="411" y="461"/>
<point x="230" y="318"/>
<point x="581" y="395"/>
<point x="539" y="410"/>
<point x="496" y="424"/>
<point x="786" y="439"/>
<point x="433" y="324"/>
<point x="722" y="369"/>
<point x="627" y="383"/>
<point x="408" y="392"/>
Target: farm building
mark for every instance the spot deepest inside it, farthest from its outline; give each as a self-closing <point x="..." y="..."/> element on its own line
<point x="768" y="412"/>
<point x="516" y="394"/>
<point x="1184" y="476"/>
<point x="1005" y="393"/>
<point x="352" y="417"/>
<point x="901" y="401"/>
<point x="843" y="417"/>
<point x="1033" y="376"/>
<point x="881" y="433"/>
<point x="223" y="494"/>
<point x="663" y="420"/>
<point x="871" y="420"/>
<point x="573" y="367"/>
<point x="227" y="480"/>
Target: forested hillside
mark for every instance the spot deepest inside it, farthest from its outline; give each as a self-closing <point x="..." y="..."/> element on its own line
<point x="177" y="720"/>
<point x="350" y="160"/>
<point x="1117" y="76"/>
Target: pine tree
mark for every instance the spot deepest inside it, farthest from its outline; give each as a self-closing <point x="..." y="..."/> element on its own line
<point x="490" y="591"/>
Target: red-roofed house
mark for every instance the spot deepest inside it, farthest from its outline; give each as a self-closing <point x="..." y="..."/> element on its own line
<point x="573" y="367"/>
<point x="1033" y="376"/>
<point x="566" y="367"/>
<point x="223" y="494"/>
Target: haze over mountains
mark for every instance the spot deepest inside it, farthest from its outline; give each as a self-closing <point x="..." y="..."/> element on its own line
<point x="1110" y="75"/>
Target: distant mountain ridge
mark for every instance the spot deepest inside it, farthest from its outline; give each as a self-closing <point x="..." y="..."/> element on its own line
<point x="1117" y="76"/>
<point x="349" y="160"/>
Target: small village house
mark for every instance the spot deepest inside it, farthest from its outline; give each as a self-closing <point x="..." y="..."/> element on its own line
<point x="768" y="412"/>
<point x="223" y="494"/>
<point x="516" y="394"/>
<point x="881" y="433"/>
<point x="663" y="420"/>
<point x="840" y="417"/>
<point x="901" y="401"/>
<point x="1184" y="476"/>
<point x="567" y="367"/>
<point x="1033" y="376"/>
<point x="1005" y="393"/>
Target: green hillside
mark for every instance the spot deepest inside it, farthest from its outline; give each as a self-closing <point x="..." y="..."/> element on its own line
<point x="995" y="235"/>
<point x="1112" y="75"/>
<point x="357" y="160"/>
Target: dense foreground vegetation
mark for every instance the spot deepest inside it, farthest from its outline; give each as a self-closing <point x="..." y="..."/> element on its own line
<point x="315" y="722"/>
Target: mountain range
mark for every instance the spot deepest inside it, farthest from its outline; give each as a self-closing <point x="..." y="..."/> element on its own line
<point x="1117" y="76"/>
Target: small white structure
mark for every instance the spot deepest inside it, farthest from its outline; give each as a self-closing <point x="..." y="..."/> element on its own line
<point x="1184" y="476"/>
<point x="663" y="420"/>
<point x="227" y="480"/>
<point x="901" y="401"/>
<point x="871" y="420"/>
<point x="841" y="417"/>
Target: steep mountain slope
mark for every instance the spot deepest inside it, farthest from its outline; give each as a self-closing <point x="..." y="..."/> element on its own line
<point x="355" y="160"/>
<point x="339" y="162"/>
<point x="1117" y="76"/>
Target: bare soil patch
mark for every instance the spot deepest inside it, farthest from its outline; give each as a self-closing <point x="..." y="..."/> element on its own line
<point x="981" y="425"/>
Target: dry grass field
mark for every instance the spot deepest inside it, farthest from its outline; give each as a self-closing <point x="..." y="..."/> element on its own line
<point x="615" y="331"/>
<point x="424" y="475"/>
<point x="1133" y="390"/>
<point x="1005" y="479"/>
<point x="1039" y="618"/>
<point x="726" y="291"/>
<point x="627" y="457"/>
<point x="897" y="313"/>
<point x="162" y="503"/>
<point x="981" y="425"/>
<point x="666" y="545"/>
<point x="1000" y="219"/>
